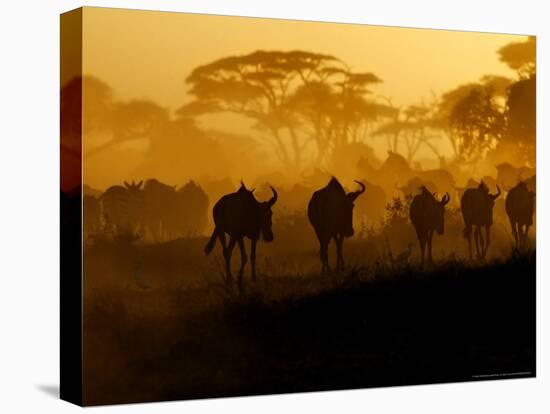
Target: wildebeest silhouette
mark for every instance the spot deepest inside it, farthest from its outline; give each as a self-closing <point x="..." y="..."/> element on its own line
<point x="330" y="212"/>
<point x="122" y="207"/>
<point x="442" y="179"/>
<point x="427" y="215"/>
<point x="240" y="215"/>
<point x="520" y="205"/>
<point x="190" y="215"/>
<point x="477" y="210"/>
<point x="159" y="199"/>
<point x="415" y="185"/>
<point x="508" y="175"/>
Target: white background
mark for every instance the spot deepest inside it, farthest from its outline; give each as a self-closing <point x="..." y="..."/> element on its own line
<point x="29" y="243"/>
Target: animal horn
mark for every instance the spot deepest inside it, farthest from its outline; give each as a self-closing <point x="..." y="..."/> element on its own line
<point x="126" y="184"/>
<point x="494" y="196"/>
<point x="274" y="198"/>
<point x="353" y="195"/>
<point x="362" y="190"/>
<point x="139" y="184"/>
<point x="446" y="198"/>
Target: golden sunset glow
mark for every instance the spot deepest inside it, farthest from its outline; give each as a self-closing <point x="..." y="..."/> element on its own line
<point x="264" y="206"/>
<point x="148" y="55"/>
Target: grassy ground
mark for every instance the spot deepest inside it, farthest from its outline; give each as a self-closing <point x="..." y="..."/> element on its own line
<point x="159" y="325"/>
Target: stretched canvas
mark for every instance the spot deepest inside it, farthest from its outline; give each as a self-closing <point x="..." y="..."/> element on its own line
<point x="260" y="206"/>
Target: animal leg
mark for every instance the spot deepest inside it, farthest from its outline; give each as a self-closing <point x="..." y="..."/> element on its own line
<point x="324" y="255"/>
<point x="244" y="259"/>
<point x="253" y="243"/>
<point x="227" y="254"/>
<point x="482" y="243"/>
<point x="477" y="239"/>
<point x="339" y="240"/>
<point x="470" y="245"/>
<point x="336" y="242"/>
<point x="430" y="238"/>
<point x="525" y="236"/>
<point x="221" y="236"/>
<point x="468" y="236"/>
<point x="488" y="240"/>
<point x="422" y="241"/>
<point x="342" y="265"/>
<point x="514" y="232"/>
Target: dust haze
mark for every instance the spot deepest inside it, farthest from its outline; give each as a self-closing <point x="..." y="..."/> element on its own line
<point x="316" y="165"/>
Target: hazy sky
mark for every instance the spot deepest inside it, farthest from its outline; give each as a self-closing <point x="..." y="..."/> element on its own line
<point x="148" y="55"/>
<point x="145" y="54"/>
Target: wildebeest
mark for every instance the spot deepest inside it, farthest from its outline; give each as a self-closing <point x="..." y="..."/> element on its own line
<point x="520" y="205"/>
<point x="240" y="215"/>
<point x="416" y="184"/>
<point x="508" y="175"/>
<point x="330" y="212"/>
<point x="477" y="210"/>
<point x="169" y="213"/>
<point x="191" y="210"/>
<point x="442" y="179"/>
<point x="471" y="183"/>
<point x="427" y="215"/>
<point x="159" y="200"/>
<point x="121" y="207"/>
<point x="395" y="169"/>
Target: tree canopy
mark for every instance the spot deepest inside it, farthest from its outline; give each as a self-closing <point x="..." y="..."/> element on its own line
<point x="299" y="98"/>
<point x="521" y="56"/>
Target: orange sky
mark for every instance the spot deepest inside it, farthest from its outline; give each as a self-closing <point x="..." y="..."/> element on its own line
<point x="148" y="55"/>
<point x="145" y="54"/>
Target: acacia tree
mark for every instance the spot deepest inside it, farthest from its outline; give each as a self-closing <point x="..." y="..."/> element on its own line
<point x="472" y="116"/>
<point x="130" y="121"/>
<point x="258" y="86"/>
<point x="520" y="135"/>
<point x="336" y="110"/>
<point x="102" y="114"/>
<point x="496" y="115"/>
<point x="521" y="57"/>
<point x="476" y="125"/>
<point x="411" y="128"/>
<point x="86" y="106"/>
<point x="299" y="98"/>
<point x="521" y="113"/>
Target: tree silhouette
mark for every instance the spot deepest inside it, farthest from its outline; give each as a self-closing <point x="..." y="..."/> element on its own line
<point x="86" y="105"/>
<point x="299" y="98"/>
<point x="133" y="120"/>
<point x="472" y="116"/>
<point x="520" y="136"/>
<point x="412" y="127"/>
<point x="258" y="86"/>
<point x="476" y="125"/>
<point x="521" y="56"/>
<point x="336" y="111"/>
<point x="521" y="113"/>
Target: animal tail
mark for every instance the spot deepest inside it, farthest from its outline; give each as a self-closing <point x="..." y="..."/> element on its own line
<point x="467" y="231"/>
<point x="210" y="245"/>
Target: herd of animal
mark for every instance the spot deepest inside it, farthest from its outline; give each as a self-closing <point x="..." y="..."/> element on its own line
<point x="160" y="212"/>
<point x="330" y="211"/>
<point x="153" y="208"/>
